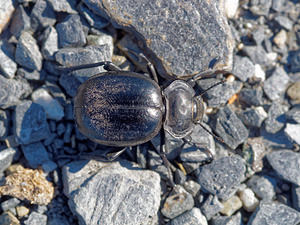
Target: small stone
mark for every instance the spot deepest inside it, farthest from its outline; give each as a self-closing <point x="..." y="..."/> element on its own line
<point x="36" y="218"/>
<point x="251" y="96"/>
<point x="35" y="154"/>
<point x="276" y="118"/>
<point x="259" y="72"/>
<point x="31" y="74"/>
<point x="63" y="6"/>
<point x="253" y="117"/>
<point x="7" y="65"/>
<point x="293" y="131"/>
<point x="11" y="91"/>
<point x="293" y="115"/>
<point x="42" y="15"/>
<point x="51" y="106"/>
<point x="70" y="32"/>
<point x="222" y="176"/>
<point x="27" y="52"/>
<point x="102" y="39"/>
<point x="4" y="120"/>
<point x="228" y="220"/>
<point x="7" y="218"/>
<point x="178" y="202"/>
<point x="211" y="207"/>
<point x="50" y="43"/>
<point x="296" y="197"/>
<point x="259" y="35"/>
<point x="93" y="19"/>
<point x="272" y="56"/>
<point x="179" y="175"/>
<point x="20" y="22"/>
<point x="243" y="68"/>
<point x="6" y="10"/>
<point x="9" y="204"/>
<point x="263" y="186"/>
<point x="295" y="61"/>
<point x="257" y="54"/>
<point x="260" y="7"/>
<point x="231" y="7"/>
<point x="284" y="22"/>
<point x="274" y="213"/>
<point x="192" y="187"/>
<point x="229" y="127"/>
<point x="280" y="38"/>
<point x="191" y="217"/>
<point x="6" y="158"/>
<point x="22" y="211"/>
<point x="231" y="206"/>
<point x="250" y="202"/>
<point x="277" y="5"/>
<point x="30" y="123"/>
<point x="286" y="163"/>
<point x="70" y="84"/>
<point x="294" y="92"/>
<point x="49" y="166"/>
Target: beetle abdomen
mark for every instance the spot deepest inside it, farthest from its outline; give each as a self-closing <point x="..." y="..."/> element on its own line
<point x="119" y="108"/>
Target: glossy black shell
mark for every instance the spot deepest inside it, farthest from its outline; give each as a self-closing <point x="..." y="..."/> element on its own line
<point x="119" y="108"/>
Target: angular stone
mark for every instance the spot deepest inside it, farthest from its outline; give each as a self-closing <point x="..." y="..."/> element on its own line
<point x="50" y="43"/>
<point x="257" y="54"/>
<point x="70" y="32"/>
<point x="192" y="217"/>
<point x="229" y="127"/>
<point x="20" y="22"/>
<point x="112" y="193"/>
<point x="36" y="218"/>
<point x="211" y="207"/>
<point x="293" y="115"/>
<point x="294" y="91"/>
<point x="260" y="7"/>
<point x="243" y="68"/>
<point x="42" y="15"/>
<point x="228" y="220"/>
<point x="293" y="131"/>
<point x="7" y="64"/>
<point x="286" y="163"/>
<point x="251" y="96"/>
<point x="30" y="124"/>
<point x="276" y="118"/>
<point x="295" y="61"/>
<point x="6" y="158"/>
<point x="253" y="117"/>
<point x="185" y="38"/>
<point x="31" y="74"/>
<point x="4" y="121"/>
<point x="231" y="205"/>
<point x="274" y="213"/>
<point x="11" y="91"/>
<point x="259" y="35"/>
<point x="284" y="21"/>
<point x="248" y="199"/>
<point x="6" y="10"/>
<point x="35" y="154"/>
<point x="222" y="176"/>
<point x="27" y="52"/>
<point x="276" y="84"/>
<point x="63" y="6"/>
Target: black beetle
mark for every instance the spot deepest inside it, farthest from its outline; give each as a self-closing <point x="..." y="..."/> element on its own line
<point x="119" y="108"/>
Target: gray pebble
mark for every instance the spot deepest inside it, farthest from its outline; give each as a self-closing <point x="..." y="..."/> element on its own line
<point x="6" y="158"/>
<point x="229" y="127"/>
<point x="6" y="10"/>
<point x="276" y="118"/>
<point x="253" y="117"/>
<point x="31" y="74"/>
<point x="11" y="91"/>
<point x="286" y="163"/>
<point x="222" y="176"/>
<point x="20" y="21"/>
<point x="10" y="204"/>
<point x="251" y="96"/>
<point x="50" y="43"/>
<point x="36" y="219"/>
<point x="293" y="131"/>
<point x="277" y="5"/>
<point x="263" y="186"/>
<point x="259" y="35"/>
<point x="191" y="217"/>
<point x="211" y="206"/>
<point x="178" y="202"/>
<point x="293" y="115"/>
<point x="42" y="15"/>
<point x="274" y="213"/>
<point x="228" y="220"/>
<point x="254" y="150"/>
<point x="112" y="193"/>
<point x="243" y="68"/>
<point x="260" y="7"/>
<point x="296" y="197"/>
<point x="257" y="54"/>
<point x="63" y="6"/>
<point x="70" y="32"/>
<point x="295" y="61"/>
<point x="192" y="187"/>
<point x="30" y="124"/>
<point x="276" y="84"/>
<point x="27" y="52"/>
<point x="35" y="154"/>
<point x="284" y="22"/>
<point x="7" y="65"/>
<point x="4" y="120"/>
<point x="49" y="166"/>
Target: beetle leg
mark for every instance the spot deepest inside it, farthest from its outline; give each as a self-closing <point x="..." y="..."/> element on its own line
<point x="107" y="65"/>
<point x="113" y="155"/>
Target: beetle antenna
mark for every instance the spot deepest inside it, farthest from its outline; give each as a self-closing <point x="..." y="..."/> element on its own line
<point x="212" y="134"/>
<point x="107" y="65"/>
<point x="216" y="84"/>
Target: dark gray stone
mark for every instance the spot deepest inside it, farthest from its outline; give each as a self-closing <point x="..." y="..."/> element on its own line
<point x="4" y="121"/>
<point x="192" y="187"/>
<point x="260" y="7"/>
<point x="35" y="154"/>
<point x="93" y="19"/>
<point x="50" y="43"/>
<point x="276" y="117"/>
<point x="258" y="35"/>
<point x="191" y="217"/>
<point x="274" y="213"/>
<point x="20" y="21"/>
<point x="257" y="54"/>
<point x="60" y="129"/>
<point x="229" y="127"/>
<point x="253" y="117"/>
<point x="70" y="32"/>
<point x="220" y="94"/>
<point x="155" y="163"/>
<point x="284" y="22"/>
<point x="27" y="52"/>
<point x="276" y="84"/>
<point x="70" y="84"/>
<point x="295" y="61"/>
<point x="253" y="152"/>
<point x="11" y="91"/>
<point x="7" y="65"/>
<point x="36" y="219"/>
<point x="228" y="220"/>
<point x="222" y="176"/>
<point x="6" y="158"/>
<point x="10" y="204"/>
<point x="81" y="56"/>
<point x="111" y="193"/>
<point x="286" y="163"/>
<point x="30" y="124"/>
<point x="68" y="133"/>
<point x="178" y="202"/>
<point x="277" y="5"/>
<point x="185" y="38"/>
<point x="49" y="166"/>
<point x="296" y="197"/>
<point x="263" y="186"/>
<point x="243" y="68"/>
<point x="67" y="6"/>
<point x="42" y="15"/>
<point x="293" y="115"/>
<point x="31" y="74"/>
<point x="251" y="96"/>
<point x="211" y="206"/>
<point x="57" y="93"/>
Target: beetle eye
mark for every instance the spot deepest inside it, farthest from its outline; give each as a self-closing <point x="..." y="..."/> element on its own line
<point x="198" y="109"/>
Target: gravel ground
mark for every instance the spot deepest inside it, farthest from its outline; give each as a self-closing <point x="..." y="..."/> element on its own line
<point x="49" y="170"/>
